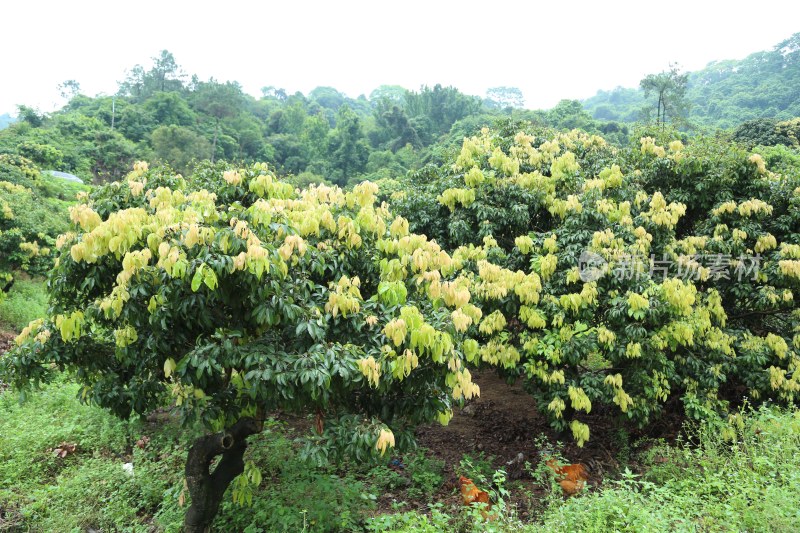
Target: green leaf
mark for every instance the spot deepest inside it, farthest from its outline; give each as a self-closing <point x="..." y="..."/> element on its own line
<point x="209" y="278"/>
<point x="197" y="279"/>
<point x="169" y="367"/>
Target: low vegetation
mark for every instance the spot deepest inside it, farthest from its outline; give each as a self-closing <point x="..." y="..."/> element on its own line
<point x="26" y="301"/>
<point x="722" y="475"/>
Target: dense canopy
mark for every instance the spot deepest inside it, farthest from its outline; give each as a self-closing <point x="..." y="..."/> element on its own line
<point x="623" y="277"/>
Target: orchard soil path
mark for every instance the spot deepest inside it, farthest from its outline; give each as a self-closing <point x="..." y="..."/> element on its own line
<point x="504" y="424"/>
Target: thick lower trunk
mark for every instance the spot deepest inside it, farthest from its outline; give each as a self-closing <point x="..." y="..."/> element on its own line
<point x="206" y="488"/>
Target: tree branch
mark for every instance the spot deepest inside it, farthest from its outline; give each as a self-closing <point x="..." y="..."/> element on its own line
<point x="759" y="313"/>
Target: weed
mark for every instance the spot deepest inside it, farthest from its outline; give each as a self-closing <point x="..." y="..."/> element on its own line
<point x="411" y="522"/>
<point x="478" y="468"/>
<point x="426" y="475"/>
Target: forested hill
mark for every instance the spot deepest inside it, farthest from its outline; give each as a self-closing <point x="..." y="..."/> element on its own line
<point x="161" y="114"/>
<point x="724" y="93"/>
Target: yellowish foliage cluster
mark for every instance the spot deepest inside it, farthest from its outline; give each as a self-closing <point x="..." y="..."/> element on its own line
<point x="529" y="317"/>
<point x="548" y="314"/>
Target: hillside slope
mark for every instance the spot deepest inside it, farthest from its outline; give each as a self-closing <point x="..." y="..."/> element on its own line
<point x="724" y="93"/>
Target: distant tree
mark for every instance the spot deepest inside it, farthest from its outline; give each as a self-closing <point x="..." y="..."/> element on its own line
<point x="249" y="138"/>
<point x="287" y="153"/>
<point x="69" y="89"/>
<point x="759" y="131"/>
<point x="768" y="132"/>
<point x="621" y="103"/>
<point x="405" y="133"/>
<point x="134" y="121"/>
<point x="791" y="130"/>
<point x="276" y="122"/>
<point x="442" y="106"/>
<point x="393" y="93"/>
<point x="111" y="154"/>
<point x="169" y="108"/>
<point x="327" y="97"/>
<point x="393" y="129"/>
<point x="295" y="115"/>
<point x="220" y="101"/>
<point x="30" y="115"/>
<point x="178" y="146"/>
<point x="315" y="131"/>
<point x="568" y="114"/>
<point x="273" y="92"/>
<point x="347" y="148"/>
<point x="669" y="87"/>
<point x="44" y="155"/>
<point x="165" y="75"/>
<point x="605" y="112"/>
<point x="134" y="83"/>
<point x="504" y="97"/>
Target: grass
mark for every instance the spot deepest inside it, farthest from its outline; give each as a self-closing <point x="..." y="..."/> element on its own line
<point x="742" y="475"/>
<point x="90" y="489"/>
<point x="85" y="488"/>
<point x="26" y="301"/>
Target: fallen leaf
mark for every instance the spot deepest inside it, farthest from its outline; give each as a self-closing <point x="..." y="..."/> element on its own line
<point x="64" y="449"/>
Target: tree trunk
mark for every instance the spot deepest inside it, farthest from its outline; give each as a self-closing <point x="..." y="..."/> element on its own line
<point x="214" y="143"/>
<point x="658" y="112"/>
<point x="206" y="488"/>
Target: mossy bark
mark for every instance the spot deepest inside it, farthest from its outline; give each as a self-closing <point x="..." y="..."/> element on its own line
<point x="207" y="488"/>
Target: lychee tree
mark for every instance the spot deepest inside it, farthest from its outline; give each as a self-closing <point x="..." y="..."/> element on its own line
<point x="33" y="212"/>
<point x="656" y="317"/>
<point x="229" y="294"/>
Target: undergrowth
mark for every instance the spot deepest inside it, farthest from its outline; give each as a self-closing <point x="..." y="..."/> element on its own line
<point x="26" y="301"/>
<point x="742" y="474"/>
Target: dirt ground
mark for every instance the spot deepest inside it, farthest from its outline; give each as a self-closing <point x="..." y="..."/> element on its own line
<point x="504" y="423"/>
<point x="6" y="340"/>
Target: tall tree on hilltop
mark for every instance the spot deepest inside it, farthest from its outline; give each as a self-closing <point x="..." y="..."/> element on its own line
<point x="164" y="76"/>
<point x="69" y="89"/>
<point x="504" y="97"/>
<point x="219" y="100"/>
<point x="669" y="87"/>
<point x="347" y="149"/>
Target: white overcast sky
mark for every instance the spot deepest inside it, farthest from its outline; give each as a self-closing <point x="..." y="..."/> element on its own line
<point x="550" y="50"/>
